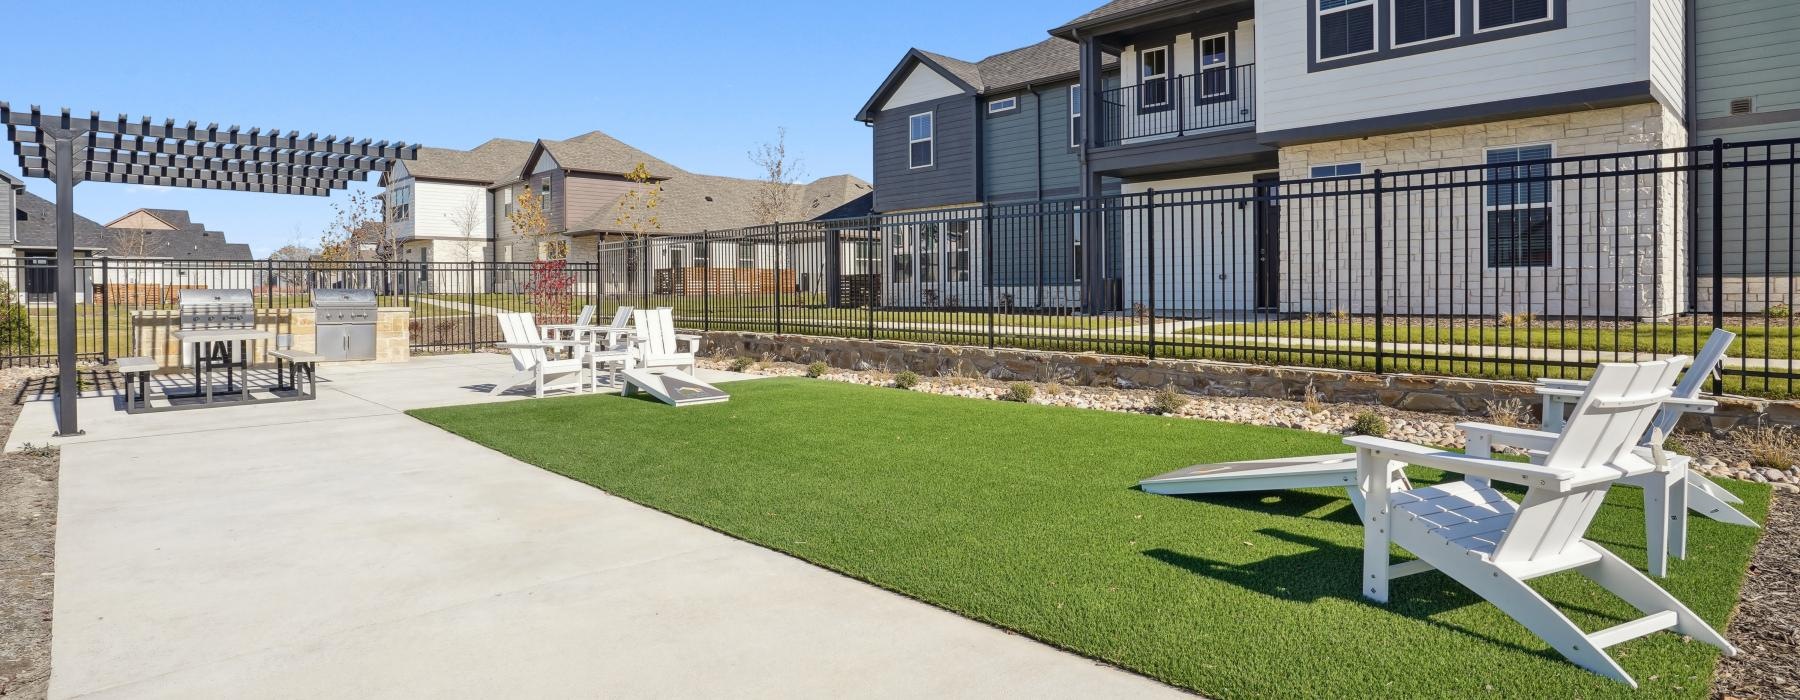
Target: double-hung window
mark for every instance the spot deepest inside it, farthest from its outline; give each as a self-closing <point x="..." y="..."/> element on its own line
<point x="1420" y="21"/>
<point x="1345" y="28"/>
<point x="1075" y="116"/>
<point x="1215" y="66"/>
<point x="1494" y="14"/>
<point x="1520" y="207"/>
<point x="1153" y="74"/>
<point x="919" y="134"/>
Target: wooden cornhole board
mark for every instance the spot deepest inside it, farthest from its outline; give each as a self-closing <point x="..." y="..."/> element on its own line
<point x="673" y="387"/>
<point x="1260" y="475"/>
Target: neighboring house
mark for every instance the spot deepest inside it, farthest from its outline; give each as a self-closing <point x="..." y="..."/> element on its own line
<point x="582" y="182"/>
<point x="1180" y="94"/>
<point x="169" y="235"/>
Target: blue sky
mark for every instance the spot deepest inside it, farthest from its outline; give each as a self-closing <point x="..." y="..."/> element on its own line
<point x="698" y="87"/>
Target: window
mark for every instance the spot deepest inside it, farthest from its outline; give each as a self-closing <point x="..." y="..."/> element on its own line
<point x="1153" y="69"/>
<point x="1345" y="28"/>
<point x="400" y="203"/>
<point x="746" y="255"/>
<point x="902" y="256"/>
<point x="1494" y="14"/>
<point x="918" y="139"/>
<point x="928" y="253"/>
<point x="957" y="250"/>
<point x="677" y="258"/>
<point x="508" y="200"/>
<point x="865" y="258"/>
<point x="1005" y="104"/>
<point x="1419" y="21"/>
<point x="702" y="255"/>
<point x="1338" y="170"/>
<point x="1215" y="66"/>
<point x="1519" y="207"/>
<point x="1075" y="116"/>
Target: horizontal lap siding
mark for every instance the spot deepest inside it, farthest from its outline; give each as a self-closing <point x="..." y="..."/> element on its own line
<point x="1745" y="48"/>
<point x="439" y="209"/>
<point x="1010" y="144"/>
<point x="587" y="194"/>
<point x="952" y="177"/>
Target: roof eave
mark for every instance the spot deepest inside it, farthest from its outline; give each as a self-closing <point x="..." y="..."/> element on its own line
<point x="1125" y="20"/>
<point x="867" y="114"/>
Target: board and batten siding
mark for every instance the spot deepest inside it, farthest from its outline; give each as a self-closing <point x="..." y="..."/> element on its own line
<point x="951" y="178"/>
<point x="1603" y="45"/>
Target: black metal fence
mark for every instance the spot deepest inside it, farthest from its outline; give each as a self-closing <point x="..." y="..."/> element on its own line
<point x="1522" y="267"/>
<point x="1159" y="107"/>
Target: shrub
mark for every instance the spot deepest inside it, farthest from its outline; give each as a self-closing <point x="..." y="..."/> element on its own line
<point x="1168" y="402"/>
<point x="816" y="369"/>
<point x="906" y="380"/>
<point x="1771" y="447"/>
<point x="1020" y="392"/>
<point x="1518" y="318"/>
<point x="1312" y="401"/>
<point x="17" y="337"/>
<point x="1510" y="413"/>
<point x="1778" y="311"/>
<point x="1340" y="314"/>
<point x="742" y="362"/>
<point x="1369" y="423"/>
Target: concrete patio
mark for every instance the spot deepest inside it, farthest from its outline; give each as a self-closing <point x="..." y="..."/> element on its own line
<point x="339" y="548"/>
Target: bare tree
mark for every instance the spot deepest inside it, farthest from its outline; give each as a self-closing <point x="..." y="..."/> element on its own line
<point x="780" y="191"/>
<point x="637" y="217"/>
<point x="131" y="243"/>
<point x="359" y="231"/>
<point x="467" y="220"/>
<point x="291" y="272"/>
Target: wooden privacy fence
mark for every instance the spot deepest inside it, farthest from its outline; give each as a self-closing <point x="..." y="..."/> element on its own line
<point x="696" y="281"/>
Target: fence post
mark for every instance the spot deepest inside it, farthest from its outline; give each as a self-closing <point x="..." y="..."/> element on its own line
<point x="987" y="263"/>
<point x="1718" y="246"/>
<point x="644" y="276"/>
<point x="469" y="294"/>
<point x="1150" y="264"/>
<point x="778" y="284"/>
<point x="706" y="283"/>
<point x="1380" y="282"/>
<point x="105" y="315"/>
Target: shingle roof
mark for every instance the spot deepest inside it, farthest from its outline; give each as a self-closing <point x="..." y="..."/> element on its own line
<point x="596" y="152"/>
<point x="196" y="244"/>
<point x="37" y="226"/>
<point x="1050" y="58"/>
<point x="1114" y="9"/>
<point x="11" y="181"/>
<point x="178" y="218"/>
<point x="694" y="203"/>
<point x="498" y="160"/>
<point x="963" y="70"/>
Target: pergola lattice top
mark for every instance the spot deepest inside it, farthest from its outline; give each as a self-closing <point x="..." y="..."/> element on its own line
<point x="146" y="152"/>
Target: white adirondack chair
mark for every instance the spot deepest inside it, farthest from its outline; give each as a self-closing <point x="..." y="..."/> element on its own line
<point x="658" y="346"/>
<point x="1485" y="541"/>
<point x="566" y="331"/>
<point x="1668" y="493"/>
<point x="533" y="361"/>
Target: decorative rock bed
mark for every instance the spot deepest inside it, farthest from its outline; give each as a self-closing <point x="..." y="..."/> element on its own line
<point x="1725" y="458"/>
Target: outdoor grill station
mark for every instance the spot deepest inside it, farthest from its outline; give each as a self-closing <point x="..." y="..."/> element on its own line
<point x="71" y="149"/>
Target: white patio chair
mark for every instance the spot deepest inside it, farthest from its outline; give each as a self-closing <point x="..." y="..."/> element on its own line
<point x="657" y="345"/>
<point x="1668" y="494"/>
<point x="532" y="358"/>
<point x="1485" y="541"/>
<point x="565" y="331"/>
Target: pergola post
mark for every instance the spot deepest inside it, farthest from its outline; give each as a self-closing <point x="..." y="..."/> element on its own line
<point x="68" y="389"/>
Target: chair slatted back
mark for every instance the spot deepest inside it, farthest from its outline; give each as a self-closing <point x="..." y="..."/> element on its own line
<point x="521" y="328"/>
<point x="656" y="330"/>
<point x="1706" y="365"/>
<point x="586" y="317"/>
<point x="1601" y="434"/>
<point x="622" y="317"/>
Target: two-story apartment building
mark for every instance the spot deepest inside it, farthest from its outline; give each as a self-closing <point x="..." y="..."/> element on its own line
<point x="1245" y="96"/>
<point x="455" y="206"/>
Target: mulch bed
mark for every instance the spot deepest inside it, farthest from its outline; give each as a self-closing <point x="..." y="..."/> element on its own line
<point x="1766" y="628"/>
<point x="27" y="561"/>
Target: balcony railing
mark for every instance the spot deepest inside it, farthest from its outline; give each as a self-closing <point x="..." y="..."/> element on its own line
<point x="1184" y="104"/>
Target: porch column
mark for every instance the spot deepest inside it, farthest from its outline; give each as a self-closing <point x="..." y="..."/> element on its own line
<point x="1091" y="219"/>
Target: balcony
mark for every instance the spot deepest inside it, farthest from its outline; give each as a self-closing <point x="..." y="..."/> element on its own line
<point x="1163" y="108"/>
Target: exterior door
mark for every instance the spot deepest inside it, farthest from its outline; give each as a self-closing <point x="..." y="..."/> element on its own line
<point x="40" y="279"/>
<point x="1268" y="242"/>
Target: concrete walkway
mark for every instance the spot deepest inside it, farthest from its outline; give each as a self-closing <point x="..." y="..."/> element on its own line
<point x="340" y="549"/>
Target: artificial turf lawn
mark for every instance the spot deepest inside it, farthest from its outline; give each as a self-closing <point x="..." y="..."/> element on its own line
<point x="1027" y="517"/>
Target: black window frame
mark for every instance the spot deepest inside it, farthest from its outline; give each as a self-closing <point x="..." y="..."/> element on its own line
<point x="1318" y="16"/>
<point x="1522" y="206"/>
<point x="1393" y="24"/>
<point x="1467" y="34"/>
<point x="1481" y="5"/>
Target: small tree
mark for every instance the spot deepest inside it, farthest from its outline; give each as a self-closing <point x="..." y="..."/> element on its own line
<point x="466" y="220"/>
<point x="358" y="231"/>
<point x="292" y="274"/>
<point x="17" y="337"/>
<point x="131" y="243"/>
<point x="530" y="222"/>
<point x="637" y="215"/>
<point x="779" y="194"/>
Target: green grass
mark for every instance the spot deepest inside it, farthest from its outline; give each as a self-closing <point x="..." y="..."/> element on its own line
<point x="1026" y="517"/>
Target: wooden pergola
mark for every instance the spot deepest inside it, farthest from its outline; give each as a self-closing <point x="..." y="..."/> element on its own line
<point x="71" y="150"/>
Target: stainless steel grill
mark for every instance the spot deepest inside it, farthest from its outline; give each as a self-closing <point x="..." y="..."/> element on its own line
<point x="345" y="326"/>
<point x="217" y="309"/>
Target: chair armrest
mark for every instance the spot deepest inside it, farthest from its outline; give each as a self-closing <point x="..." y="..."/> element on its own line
<point x="1561" y="394"/>
<point x="1514" y="437"/>
<point x="1581" y="384"/>
<point x="1524" y="473"/>
<point x="1691" y="405"/>
<point x="528" y="346"/>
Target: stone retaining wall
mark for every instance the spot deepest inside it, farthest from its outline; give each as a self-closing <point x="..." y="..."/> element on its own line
<point x="1427" y="394"/>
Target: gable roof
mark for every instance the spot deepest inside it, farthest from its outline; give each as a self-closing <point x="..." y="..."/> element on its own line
<point x="195" y="244"/>
<point x="693" y="203"/>
<point x="36" y="226"/>
<point x="495" y="161"/>
<point x="173" y="218"/>
<point x="1054" y="58"/>
<point x="1110" y="11"/>
<point x="597" y="152"/>
<point x="11" y="181"/>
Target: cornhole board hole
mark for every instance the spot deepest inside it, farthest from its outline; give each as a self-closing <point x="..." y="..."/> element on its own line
<point x="673" y="387"/>
<point x="1259" y="475"/>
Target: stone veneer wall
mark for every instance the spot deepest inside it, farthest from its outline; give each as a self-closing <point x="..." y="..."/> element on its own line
<point x="152" y="333"/>
<point x="1627" y="260"/>
<point x="1426" y="394"/>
